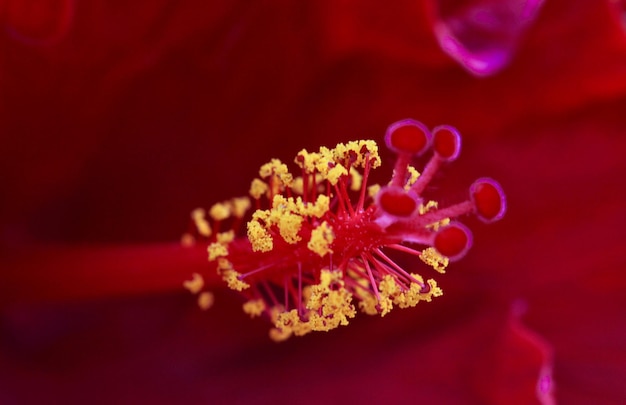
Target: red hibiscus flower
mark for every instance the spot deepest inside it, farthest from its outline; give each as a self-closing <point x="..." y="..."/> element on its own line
<point x="118" y="120"/>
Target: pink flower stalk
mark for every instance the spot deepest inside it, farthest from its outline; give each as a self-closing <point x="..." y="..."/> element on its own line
<point x="320" y="241"/>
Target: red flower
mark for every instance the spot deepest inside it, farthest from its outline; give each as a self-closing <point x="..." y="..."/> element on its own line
<point x="118" y="120"/>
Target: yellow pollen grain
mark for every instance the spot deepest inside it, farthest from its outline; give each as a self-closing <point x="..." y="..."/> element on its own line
<point x="220" y="211"/>
<point x="321" y="239"/>
<point x="283" y="322"/>
<point x="349" y="153"/>
<point x="330" y="304"/>
<point x="367" y="303"/>
<point x="290" y="322"/>
<point x="340" y="152"/>
<point x="389" y="292"/>
<point x="434" y="291"/>
<point x="232" y="279"/>
<point x="413" y="295"/>
<point x="279" y="335"/>
<point x="240" y="206"/>
<point x="413" y="176"/>
<point x="356" y="179"/>
<point x="258" y="188"/>
<point x="202" y="225"/>
<point x="335" y="174"/>
<point x="430" y="205"/>
<point x="277" y="170"/>
<point x="281" y="204"/>
<point x="259" y="237"/>
<point x="316" y="209"/>
<point x="223" y="264"/>
<point x="388" y="286"/>
<point x="373" y="190"/>
<point x="216" y="250"/>
<point x="298" y="185"/>
<point x="187" y="240"/>
<point x="432" y="258"/>
<point x="206" y="300"/>
<point x="198" y="213"/>
<point x="195" y="284"/>
<point x="440" y="224"/>
<point x="409" y="298"/>
<point x="386" y="305"/>
<point x="324" y="161"/>
<point x="261" y="216"/>
<point x="329" y="164"/>
<point x="225" y="237"/>
<point x="370" y="147"/>
<point x="289" y="226"/>
<point x="254" y="308"/>
<point x="287" y="214"/>
<point x="307" y="161"/>
<point x="318" y="290"/>
<point x="272" y="167"/>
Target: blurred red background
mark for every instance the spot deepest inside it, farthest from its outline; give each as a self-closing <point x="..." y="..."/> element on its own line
<point x="117" y="119"/>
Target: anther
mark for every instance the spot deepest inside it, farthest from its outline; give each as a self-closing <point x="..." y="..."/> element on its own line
<point x="488" y="199"/>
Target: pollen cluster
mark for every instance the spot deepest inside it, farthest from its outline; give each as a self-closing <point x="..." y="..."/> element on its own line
<point x="323" y="243"/>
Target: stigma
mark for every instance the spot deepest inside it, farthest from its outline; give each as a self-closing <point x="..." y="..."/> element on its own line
<point x="310" y="249"/>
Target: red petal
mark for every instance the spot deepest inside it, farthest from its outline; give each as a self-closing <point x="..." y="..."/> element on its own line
<point x="516" y="368"/>
<point x="39" y="21"/>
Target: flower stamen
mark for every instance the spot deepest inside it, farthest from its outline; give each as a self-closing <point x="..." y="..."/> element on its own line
<point x="326" y="239"/>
